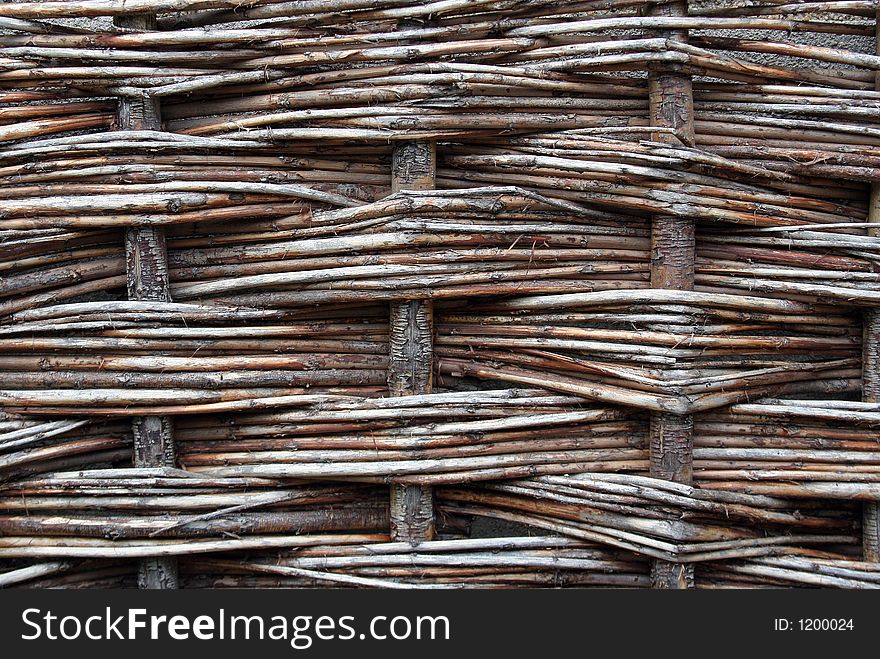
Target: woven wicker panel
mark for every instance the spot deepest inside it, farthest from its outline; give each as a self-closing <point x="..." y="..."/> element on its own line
<point x="466" y="293"/>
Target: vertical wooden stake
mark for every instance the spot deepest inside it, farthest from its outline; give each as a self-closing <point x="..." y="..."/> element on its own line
<point x="871" y="394"/>
<point x="146" y="261"/>
<point x="672" y="268"/>
<point x="414" y="166"/>
<point x="411" y="359"/>
<point x="871" y="361"/>
<point x="412" y="513"/>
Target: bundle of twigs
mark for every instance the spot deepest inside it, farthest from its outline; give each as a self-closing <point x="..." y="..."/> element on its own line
<point x="362" y="562"/>
<point x="652" y="349"/>
<point x="484" y="563"/>
<point x="663" y="520"/>
<point x="487" y="241"/>
<point x="126" y="513"/>
<point x="30" y="445"/>
<point x="117" y="357"/>
<point x="791" y="448"/>
<point x="624" y="176"/>
<point x="789" y="571"/>
<point x="435" y="438"/>
<point x="567" y="39"/>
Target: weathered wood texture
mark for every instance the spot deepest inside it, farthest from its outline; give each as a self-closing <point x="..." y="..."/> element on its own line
<point x="412" y="513"/>
<point x="672" y="446"/>
<point x="414" y="166"/>
<point x="632" y="292"/>
<point x="672" y="253"/>
<point x="411" y="361"/>
<point x="669" y="575"/>
<point x="154" y="441"/>
<point x="146" y="260"/>
<point x="871" y="532"/>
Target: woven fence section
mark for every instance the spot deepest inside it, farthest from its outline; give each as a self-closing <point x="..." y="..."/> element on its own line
<point x="439" y="293"/>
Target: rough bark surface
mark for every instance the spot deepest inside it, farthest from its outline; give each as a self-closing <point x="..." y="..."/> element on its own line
<point x="671" y="102"/>
<point x="871" y="394"/>
<point x="672" y="445"/>
<point x="414" y="166"/>
<point x="157" y="573"/>
<point x="412" y="513"/>
<point x="871" y="532"/>
<point x="871" y="356"/>
<point x="411" y="367"/>
<point x="670" y="92"/>
<point x="139" y="113"/>
<point x="672" y="253"/>
<point x="146" y="259"/>
<point x="153" y="441"/>
<point x="665" y="574"/>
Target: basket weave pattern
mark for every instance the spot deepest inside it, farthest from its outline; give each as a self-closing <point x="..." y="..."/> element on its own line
<point x="460" y="293"/>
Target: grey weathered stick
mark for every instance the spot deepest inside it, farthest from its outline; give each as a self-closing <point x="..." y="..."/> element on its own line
<point x="672" y="267"/>
<point x="146" y="260"/>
